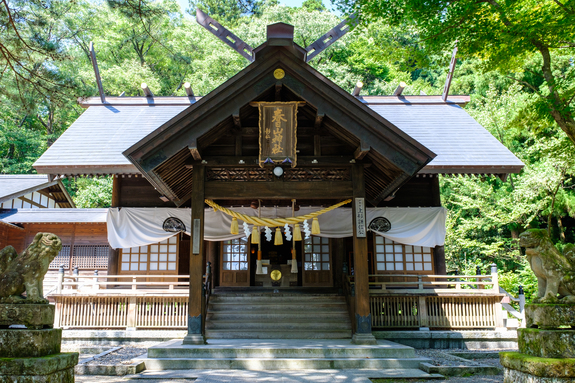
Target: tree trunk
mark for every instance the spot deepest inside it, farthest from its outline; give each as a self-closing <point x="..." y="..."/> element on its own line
<point x="558" y="108"/>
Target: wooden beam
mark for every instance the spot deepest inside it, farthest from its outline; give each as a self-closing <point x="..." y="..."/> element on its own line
<point x="330" y="37"/>
<point x="302" y="161"/>
<point x="239" y="140"/>
<point x="278" y="94"/>
<point x="146" y="90"/>
<point x="357" y="89"/>
<point x="97" y="73"/>
<point x="195" y="152"/>
<point x="318" y="121"/>
<point x="361" y="150"/>
<point x="196" y="297"/>
<point x="116" y="192"/>
<point x="449" y="75"/>
<point x="279" y="190"/>
<point x="188" y="89"/>
<point x="399" y="90"/>
<point x="226" y="36"/>
<point x="31" y="202"/>
<point x="360" y="259"/>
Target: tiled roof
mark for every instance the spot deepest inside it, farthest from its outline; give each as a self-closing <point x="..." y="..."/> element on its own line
<point x="95" y="142"/>
<point x="54" y="215"/>
<point x="17" y="185"/>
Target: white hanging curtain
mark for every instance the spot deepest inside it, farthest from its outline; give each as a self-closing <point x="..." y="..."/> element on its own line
<point x="131" y="227"/>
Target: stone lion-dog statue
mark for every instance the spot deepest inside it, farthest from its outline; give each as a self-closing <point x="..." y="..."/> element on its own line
<point x="25" y="272"/>
<point x="555" y="272"/>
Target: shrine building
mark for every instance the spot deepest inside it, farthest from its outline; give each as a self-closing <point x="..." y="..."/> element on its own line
<point x="285" y="184"/>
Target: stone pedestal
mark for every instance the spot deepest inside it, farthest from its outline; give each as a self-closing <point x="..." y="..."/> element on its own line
<point x="33" y="354"/>
<point x="546" y="354"/>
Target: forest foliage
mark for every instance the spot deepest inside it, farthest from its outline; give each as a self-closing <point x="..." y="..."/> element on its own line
<point x="518" y="92"/>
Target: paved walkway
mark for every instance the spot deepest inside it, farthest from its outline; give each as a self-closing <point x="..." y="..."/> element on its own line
<point x="303" y="376"/>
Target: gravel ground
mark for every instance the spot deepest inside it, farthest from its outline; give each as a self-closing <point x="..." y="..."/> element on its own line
<point x="123" y="355"/>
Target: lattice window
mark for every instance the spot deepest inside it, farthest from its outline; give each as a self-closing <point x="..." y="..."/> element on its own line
<point x="391" y="257"/>
<point x="91" y="257"/>
<point x="316" y="253"/>
<point x="235" y="254"/>
<point x="63" y="257"/>
<point x="159" y="258"/>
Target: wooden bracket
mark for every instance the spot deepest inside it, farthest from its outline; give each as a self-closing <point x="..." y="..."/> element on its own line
<point x="237" y="121"/>
<point x="361" y="151"/>
<point x="195" y="151"/>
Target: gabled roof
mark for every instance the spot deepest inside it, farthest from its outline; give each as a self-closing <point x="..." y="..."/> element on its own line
<point x="54" y="216"/>
<point x="462" y="145"/>
<point x="162" y="154"/>
<point x="17" y="185"/>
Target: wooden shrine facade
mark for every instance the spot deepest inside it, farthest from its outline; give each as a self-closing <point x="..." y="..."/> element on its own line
<point x="180" y="151"/>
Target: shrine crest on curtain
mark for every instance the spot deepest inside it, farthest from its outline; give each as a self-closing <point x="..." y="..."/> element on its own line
<point x="278" y="132"/>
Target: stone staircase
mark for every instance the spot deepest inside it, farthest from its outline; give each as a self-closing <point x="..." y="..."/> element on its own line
<point x="277" y="316"/>
<point x="285" y="354"/>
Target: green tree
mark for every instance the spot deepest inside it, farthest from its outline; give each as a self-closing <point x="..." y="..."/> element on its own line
<point x="531" y="41"/>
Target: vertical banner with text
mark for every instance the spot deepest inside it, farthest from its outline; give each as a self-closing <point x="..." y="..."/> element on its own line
<point x="278" y="132"/>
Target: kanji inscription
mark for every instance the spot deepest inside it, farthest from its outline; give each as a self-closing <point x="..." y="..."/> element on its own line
<point x="278" y="130"/>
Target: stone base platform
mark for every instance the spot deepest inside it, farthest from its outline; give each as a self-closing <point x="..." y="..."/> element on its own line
<point x="559" y="343"/>
<point x="522" y="368"/>
<point x="18" y="343"/>
<point x="33" y="316"/>
<point x="57" y="368"/>
<point x="548" y="316"/>
<point x="281" y="354"/>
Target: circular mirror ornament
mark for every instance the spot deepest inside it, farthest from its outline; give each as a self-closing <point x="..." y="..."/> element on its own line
<point x="380" y="224"/>
<point x="276" y="275"/>
<point x="173" y="225"/>
<point x="279" y="74"/>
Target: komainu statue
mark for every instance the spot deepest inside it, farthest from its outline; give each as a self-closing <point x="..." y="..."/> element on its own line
<point x="25" y="272"/>
<point x="555" y="272"/>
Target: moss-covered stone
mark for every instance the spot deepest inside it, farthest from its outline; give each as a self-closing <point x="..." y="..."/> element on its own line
<point x="546" y="343"/>
<point x="32" y="316"/>
<point x="29" y="343"/>
<point x="44" y="365"/>
<point x="550" y="316"/>
<point x="62" y="376"/>
<point x="514" y="376"/>
<point x="543" y="367"/>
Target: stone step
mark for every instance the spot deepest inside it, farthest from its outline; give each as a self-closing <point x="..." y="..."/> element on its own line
<point x="276" y="316"/>
<point x="282" y="363"/>
<point x="324" y="325"/>
<point x="271" y="298"/>
<point x="277" y="307"/>
<point x="275" y="334"/>
<point x="277" y="349"/>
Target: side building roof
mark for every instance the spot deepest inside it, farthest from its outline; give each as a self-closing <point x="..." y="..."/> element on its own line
<point x="18" y="185"/>
<point x="94" y="143"/>
<point x="22" y="216"/>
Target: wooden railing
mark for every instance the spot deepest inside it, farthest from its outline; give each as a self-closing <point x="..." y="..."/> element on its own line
<point x="433" y="301"/>
<point x="135" y="301"/>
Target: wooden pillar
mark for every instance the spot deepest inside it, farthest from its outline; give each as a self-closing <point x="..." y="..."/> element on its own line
<point x="362" y="333"/>
<point x="212" y="256"/>
<point x="114" y="254"/>
<point x="439" y="260"/>
<point x="196" y="297"/>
